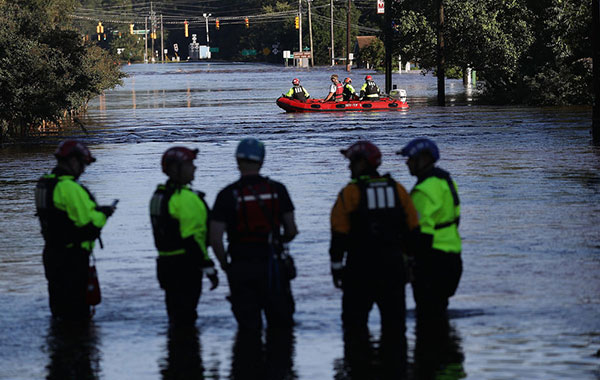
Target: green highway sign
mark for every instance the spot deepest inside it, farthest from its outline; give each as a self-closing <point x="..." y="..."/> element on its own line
<point x="141" y="31"/>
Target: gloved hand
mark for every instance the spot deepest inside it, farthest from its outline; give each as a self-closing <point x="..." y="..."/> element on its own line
<point x="337" y="269"/>
<point x="106" y="210"/>
<point x="211" y="273"/>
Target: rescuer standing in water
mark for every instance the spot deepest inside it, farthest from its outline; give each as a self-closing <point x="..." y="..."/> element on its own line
<point x="371" y="230"/>
<point x="70" y="221"/>
<point x="438" y="263"/>
<point x="253" y="210"/>
<point x="179" y="218"/>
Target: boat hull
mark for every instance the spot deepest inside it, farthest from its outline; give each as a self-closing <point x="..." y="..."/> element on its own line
<point x="317" y="105"/>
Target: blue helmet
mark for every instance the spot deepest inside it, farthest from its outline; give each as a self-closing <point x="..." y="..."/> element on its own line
<point x="250" y="149"/>
<point x="416" y="146"/>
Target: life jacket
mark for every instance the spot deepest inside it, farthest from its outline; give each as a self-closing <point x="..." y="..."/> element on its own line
<point x="252" y="225"/>
<point x="58" y="230"/>
<point x="348" y="91"/>
<point x="339" y="91"/>
<point x="378" y="224"/>
<point x="445" y="221"/>
<point x="166" y="229"/>
<point x="299" y="93"/>
<point x="372" y="90"/>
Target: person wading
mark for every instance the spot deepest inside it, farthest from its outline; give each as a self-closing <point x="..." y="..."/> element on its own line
<point x="179" y="219"/>
<point x="70" y="221"/>
<point x="253" y="210"/>
<point x="438" y="263"/>
<point x="371" y="229"/>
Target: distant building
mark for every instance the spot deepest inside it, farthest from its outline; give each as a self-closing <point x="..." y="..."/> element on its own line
<point x="361" y="43"/>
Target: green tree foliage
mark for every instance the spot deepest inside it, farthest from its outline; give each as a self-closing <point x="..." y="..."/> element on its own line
<point x="526" y="51"/>
<point x="46" y="72"/>
<point x="374" y="54"/>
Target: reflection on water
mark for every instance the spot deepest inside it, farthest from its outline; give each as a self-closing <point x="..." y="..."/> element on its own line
<point x="365" y="358"/>
<point x="73" y="351"/>
<point x="184" y="360"/>
<point x="438" y="354"/>
<point x="272" y="359"/>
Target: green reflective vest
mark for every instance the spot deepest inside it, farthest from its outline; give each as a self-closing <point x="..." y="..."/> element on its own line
<point x="178" y="214"/>
<point x="67" y="212"/>
<point x="438" y="209"/>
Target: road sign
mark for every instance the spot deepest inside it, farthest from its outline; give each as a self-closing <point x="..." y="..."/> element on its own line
<point x="303" y="54"/>
<point x="141" y="31"/>
<point x="380" y="7"/>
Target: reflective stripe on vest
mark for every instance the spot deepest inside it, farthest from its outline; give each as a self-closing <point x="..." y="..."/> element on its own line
<point x="379" y="195"/>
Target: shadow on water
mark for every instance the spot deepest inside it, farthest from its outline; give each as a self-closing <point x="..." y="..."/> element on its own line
<point x="437" y="355"/>
<point x="255" y="360"/>
<point x="73" y="351"/>
<point x="184" y="358"/>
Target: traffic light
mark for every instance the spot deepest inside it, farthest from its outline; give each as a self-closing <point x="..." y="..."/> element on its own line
<point x="185" y="28"/>
<point x="217" y="24"/>
<point x="130" y="28"/>
<point x="297" y="21"/>
<point x="99" y="28"/>
<point x="247" y="22"/>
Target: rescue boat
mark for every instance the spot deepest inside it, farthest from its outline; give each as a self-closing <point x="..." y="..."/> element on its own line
<point x="317" y="105"/>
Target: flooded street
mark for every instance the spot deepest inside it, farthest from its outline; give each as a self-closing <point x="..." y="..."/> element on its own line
<point x="528" y="305"/>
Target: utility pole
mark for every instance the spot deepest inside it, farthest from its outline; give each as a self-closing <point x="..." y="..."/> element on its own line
<point x="146" y="39"/>
<point x="312" y="57"/>
<point x="300" y="27"/>
<point x="441" y="70"/>
<point x="348" y="66"/>
<point x="153" y="27"/>
<point x="596" y="70"/>
<point x="387" y="29"/>
<point x="162" y="43"/>
<point x="331" y="27"/>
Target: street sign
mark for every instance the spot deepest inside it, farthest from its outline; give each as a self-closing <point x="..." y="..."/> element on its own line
<point x="380" y="7"/>
<point x="303" y="54"/>
<point x="141" y="31"/>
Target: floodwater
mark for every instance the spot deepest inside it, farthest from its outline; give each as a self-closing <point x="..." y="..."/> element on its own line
<point x="528" y="305"/>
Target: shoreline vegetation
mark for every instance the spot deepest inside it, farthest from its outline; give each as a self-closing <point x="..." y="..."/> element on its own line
<point x="527" y="52"/>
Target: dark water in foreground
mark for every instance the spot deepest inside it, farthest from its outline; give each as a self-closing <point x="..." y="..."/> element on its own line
<point x="528" y="306"/>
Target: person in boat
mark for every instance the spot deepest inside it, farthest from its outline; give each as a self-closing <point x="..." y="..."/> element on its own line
<point x="253" y="210"/>
<point x="438" y="263"/>
<point x="336" y="90"/>
<point x="372" y="228"/>
<point x="179" y="219"/>
<point x="297" y="91"/>
<point x="369" y="90"/>
<point x="70" y="221"/>
<point x="349" y="92"/>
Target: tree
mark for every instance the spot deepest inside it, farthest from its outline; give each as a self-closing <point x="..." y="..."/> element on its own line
<point x="526" y="51"/>
<point x="46" y="72"/>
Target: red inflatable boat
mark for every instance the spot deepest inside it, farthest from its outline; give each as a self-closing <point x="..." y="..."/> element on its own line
<point x="317" y="105"/>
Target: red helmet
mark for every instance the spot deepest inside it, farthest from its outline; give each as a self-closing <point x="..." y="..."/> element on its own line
<point x="368" y="77"/>
<point x="69" y="148"/>
<point x="295" y="81"/>
<point x="364" y="149"/>
<point x="347" y="80"/>
<point x="177" y="155"/>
